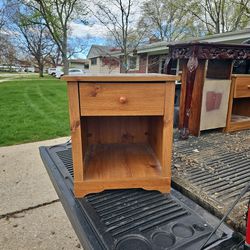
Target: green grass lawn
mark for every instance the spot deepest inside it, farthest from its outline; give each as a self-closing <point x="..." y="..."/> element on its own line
<point x="33" y="109"/>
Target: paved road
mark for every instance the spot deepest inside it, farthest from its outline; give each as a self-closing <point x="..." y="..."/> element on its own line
<point x="31" y="216"/>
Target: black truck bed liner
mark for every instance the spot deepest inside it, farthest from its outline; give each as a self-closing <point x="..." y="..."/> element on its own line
<point x="131" y="219"/>
<point x="213" y="169"/>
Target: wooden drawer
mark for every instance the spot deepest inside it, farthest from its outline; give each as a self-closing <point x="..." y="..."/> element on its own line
<point x="242" y="87"/>
<point x="121" y="99"/>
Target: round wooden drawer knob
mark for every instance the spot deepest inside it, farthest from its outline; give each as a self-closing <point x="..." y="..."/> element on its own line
<point x="123" y="99"/>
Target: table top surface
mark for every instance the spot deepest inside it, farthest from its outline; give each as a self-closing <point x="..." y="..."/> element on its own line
<point x="121" y="78"/>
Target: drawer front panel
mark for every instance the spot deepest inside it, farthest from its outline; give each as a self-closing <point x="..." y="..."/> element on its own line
<point x="121" y="99"/>
<point x="242" y="87"/>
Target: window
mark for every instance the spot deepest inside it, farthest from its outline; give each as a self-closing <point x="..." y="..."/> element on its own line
<point x="93" y="61"/>
<point x="132" y="62"/>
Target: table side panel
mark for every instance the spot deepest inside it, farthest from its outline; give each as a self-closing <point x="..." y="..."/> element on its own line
<point x="76" y="130"/>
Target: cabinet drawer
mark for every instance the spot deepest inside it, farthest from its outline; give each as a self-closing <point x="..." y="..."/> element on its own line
<point x="121" y="99"/>
<point x="242" y="87"/>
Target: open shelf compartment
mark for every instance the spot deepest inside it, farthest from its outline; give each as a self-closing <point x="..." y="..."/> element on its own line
<point x="121" y="161"/>
<point x="122" y="147"/>
<point x="123" y="152"/>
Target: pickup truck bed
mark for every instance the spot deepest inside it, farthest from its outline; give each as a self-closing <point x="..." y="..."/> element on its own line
<point x="132" y="219"/>
<point x="212" y="170"/>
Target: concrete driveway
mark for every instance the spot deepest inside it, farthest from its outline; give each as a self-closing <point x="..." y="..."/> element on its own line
<point x="31" y="216"/>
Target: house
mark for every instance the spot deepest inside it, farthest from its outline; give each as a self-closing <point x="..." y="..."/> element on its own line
<point x="79" y="63"/>
<point x="103" y="59"/>
<point x="156" y="52"/>
<point x="150" y="58"/>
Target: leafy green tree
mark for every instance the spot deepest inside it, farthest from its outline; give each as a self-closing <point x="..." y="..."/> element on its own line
<point x="220" y="16"/>
<point x="168" y="20"/>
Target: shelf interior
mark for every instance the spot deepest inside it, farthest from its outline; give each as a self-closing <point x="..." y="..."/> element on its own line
<point x="128" y="147"/>
<point x="241" y="110"/>
<point x="239" y="118"/>
<point x="119" y="161"/>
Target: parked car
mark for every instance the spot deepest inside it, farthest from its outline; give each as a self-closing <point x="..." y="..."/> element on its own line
<point x="59" y="73"/>
<point x="52" y="71"/>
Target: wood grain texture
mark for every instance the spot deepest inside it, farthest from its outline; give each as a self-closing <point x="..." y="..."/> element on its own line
<point x="167" y="133"/>
<point x="230" y="106"/>
<point x="123" y="78"/>
<point x="237" y="126"/>
<point x="183" y="92"/>
<point x="155" y="136"/>
<point x="105" y="99"/>
<point x="113" y="129"/>
<point x="120" y="161"/>
<point x="161" y="184"/>
<point x="121" y="148"/>
<point x="195" y="112"/>
<point x="76" y="131"/>
<point x="238" y="106"/>
<point x="242" y="87"/>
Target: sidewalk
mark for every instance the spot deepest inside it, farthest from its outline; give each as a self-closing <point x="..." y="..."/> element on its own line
<point x="31" y="216"/>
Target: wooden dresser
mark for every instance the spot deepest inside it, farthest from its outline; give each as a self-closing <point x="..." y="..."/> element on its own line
<point x="238" y="115"/>
<point x="121" y="130"/>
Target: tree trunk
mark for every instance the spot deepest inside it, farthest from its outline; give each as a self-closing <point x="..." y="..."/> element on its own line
<point x="40" y="66"/>
<point x="125" y="60"/>
<point x="65" y="64"/>
<point x="64" y="55"/>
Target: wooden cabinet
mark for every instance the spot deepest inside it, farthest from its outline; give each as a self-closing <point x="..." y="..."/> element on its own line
<point x="238" y="115"/>
<point x="241" y="86"/>
<point x="206" y="83"/>
<point x="121" y="129"/>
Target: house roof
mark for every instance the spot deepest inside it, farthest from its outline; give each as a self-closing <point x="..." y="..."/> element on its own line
<point x="98" y="50"/>
<point x="228" y="37"/>
<point x="233" y="37"/>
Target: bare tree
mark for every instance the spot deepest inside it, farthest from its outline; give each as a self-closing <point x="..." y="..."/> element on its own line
<point x="8" y="53"/>
<point x="38" y="43"/>
<point x="54" y="57"/>
<point x="167" y="19"/>
<point x="57" y="15"/>
<point x="6" y="11"/>
<point x="32" y="35"/>
<point x="118" y="17"/>
<point x="2" y="16"/>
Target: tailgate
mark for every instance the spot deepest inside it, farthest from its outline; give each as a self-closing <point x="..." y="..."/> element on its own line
<point x="133" y="218"/>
